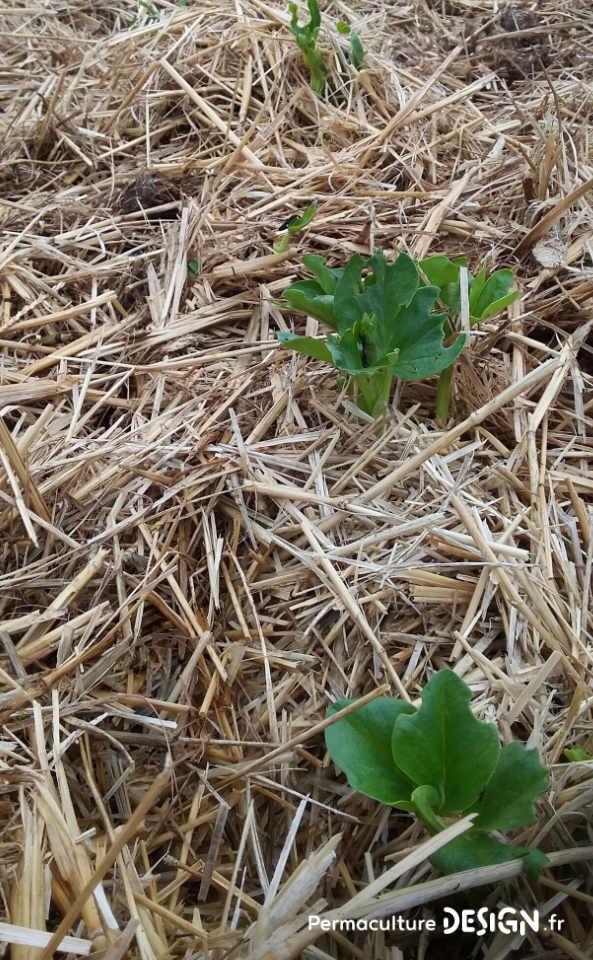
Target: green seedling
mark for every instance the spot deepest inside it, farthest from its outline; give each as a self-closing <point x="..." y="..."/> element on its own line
<point x="383" y="320"/>
<point x="577" y="755"/>
<point x="440" y="762"/>
<point x="356" y="53"/>
<point x="192" y="268"/>
<point x="487" y="296"/>
<point x="306" y="37"/>
<point x="293" y="225"/>
<point x="152" y="15"/>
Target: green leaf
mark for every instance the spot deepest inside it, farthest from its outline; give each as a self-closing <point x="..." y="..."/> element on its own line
<point x="348" y="355"/>
<point x="294" y="225"/>
<point x="192" y="267"/>
<point x="307" y="296"/>
<point x="343" y="28"/>
<point x="315" y="16"/>
<point x="325" y="277"/>
<point x="474" y="849"/>
<point x="298" y="223"/>
<point x="348" y="309"/>
<point x="497" y="305"/>
<point x="577" y="755"/>
<point x="346" y="352"/>
<point x="395" y="284"/>
<point x="360" y="745"/>
<point x="404" y="319"/>
<point x="487" y="296"/>
<point x="507" y="801"/>
<point x="484" y="296"/>
<point x="306" y="37"/>
<point x="317" y="349"/>
<point x="444" y="274"/>
<point x="534" y="863"/>
<point x="152" y="15"/>
<point x="475" y="292"/>
<point x="440" y="270"/>
<point x="357" y="54"/>
<point x="444" y="746"/>
<point x="419" y="336"/>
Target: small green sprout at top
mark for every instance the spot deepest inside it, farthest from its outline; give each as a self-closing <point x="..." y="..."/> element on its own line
<point x="306" y="37"/>
<point x="487" y="296"/>
<point x="356" y="53"/>
<point x="294" y="225"/>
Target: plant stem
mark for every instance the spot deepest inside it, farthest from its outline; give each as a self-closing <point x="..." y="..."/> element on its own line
<point x="444" y="394"/>
<point x="374" y="390"/>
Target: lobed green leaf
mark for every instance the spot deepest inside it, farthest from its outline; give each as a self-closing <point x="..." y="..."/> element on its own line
<point x="508" y="799"/>
<point x="307" y="296"/>
<point x="359" y="745"/>
<point x="419" y="334"/>
<point x="348" y="308"/>
<point x="444" y="746"/>
<point x="325" y="277"/>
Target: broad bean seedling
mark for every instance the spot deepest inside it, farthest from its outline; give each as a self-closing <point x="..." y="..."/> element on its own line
<point x="384" y="321"/>
<point x="440" y="762"/>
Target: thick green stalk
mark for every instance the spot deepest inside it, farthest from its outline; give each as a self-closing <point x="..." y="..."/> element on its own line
<point x="444" y="394"/>
<point x="373" y="390"/>
<point x="444" y="384"/>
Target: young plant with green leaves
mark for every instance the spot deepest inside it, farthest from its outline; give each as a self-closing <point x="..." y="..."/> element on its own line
<point x="294" y="225"/>
<point x="440" y="762"/>
<point x="355" y="55"/>
<point x="487" y="296"/>
<point x="383" y="315"/>
<point x="306" y="37"/>
<point x="383" y="319"/>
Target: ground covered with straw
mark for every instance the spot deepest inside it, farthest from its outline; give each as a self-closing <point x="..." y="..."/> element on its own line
<point x="205" y="542"/>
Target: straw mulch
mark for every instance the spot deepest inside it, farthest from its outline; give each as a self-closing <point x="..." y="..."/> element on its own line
<point x="204" y="542"/>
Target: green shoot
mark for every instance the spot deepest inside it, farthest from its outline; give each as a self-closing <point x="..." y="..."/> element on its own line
<point x="356" y="53"/>
<point x="306" y="37"/>
<point x="294" y="225"/>
<point x="152" y="15"/>
<point x="487" y="297"/>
